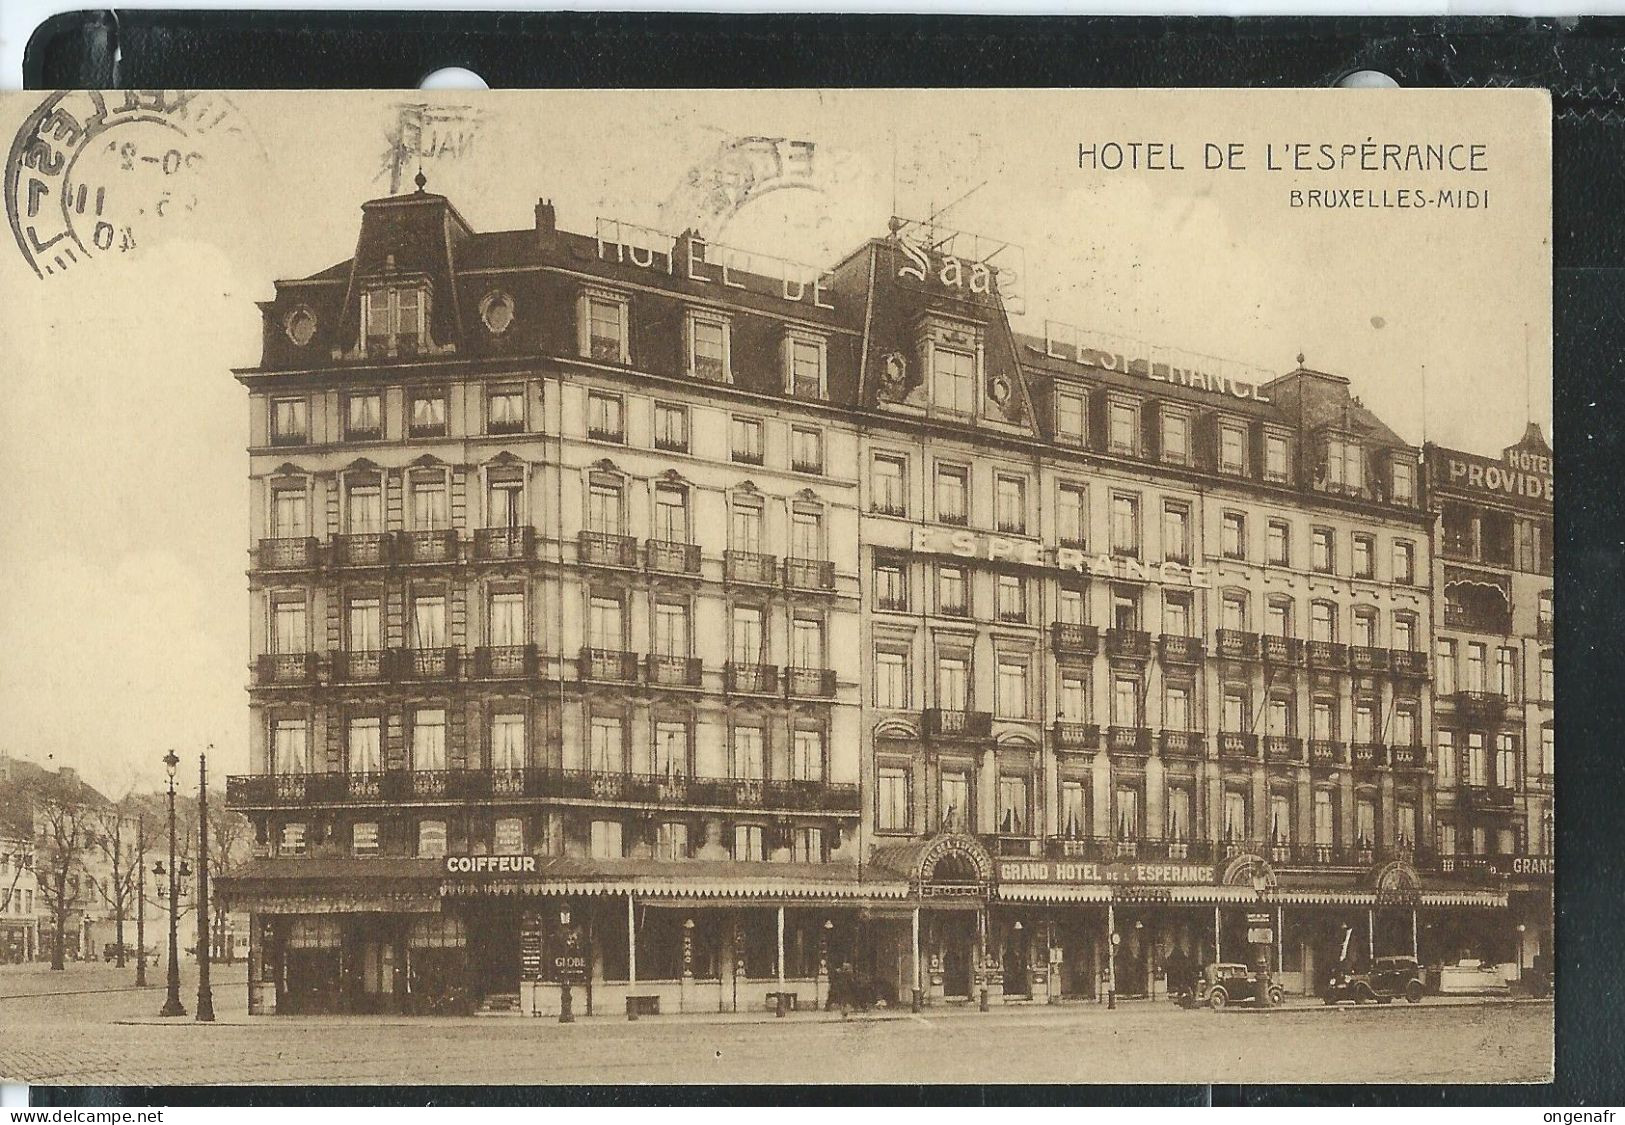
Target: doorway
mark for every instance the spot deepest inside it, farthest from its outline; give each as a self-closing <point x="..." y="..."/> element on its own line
<point x="957" y="940"/>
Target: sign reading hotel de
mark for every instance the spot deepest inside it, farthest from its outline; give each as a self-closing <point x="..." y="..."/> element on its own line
<point x="996" y="548"/>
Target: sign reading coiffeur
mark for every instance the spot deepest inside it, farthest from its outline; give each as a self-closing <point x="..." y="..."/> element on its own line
<point x="996" y="548"/>
<point x="1080" y="871"/>
<point x="490" y="865"/>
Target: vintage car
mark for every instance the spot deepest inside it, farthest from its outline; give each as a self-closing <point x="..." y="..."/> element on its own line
<point x="1387" y="978"/>
<point x="1222" y="984"/>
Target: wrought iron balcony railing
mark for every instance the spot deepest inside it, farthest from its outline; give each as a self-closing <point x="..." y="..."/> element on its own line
<point x="1233" y="644"/>
<point x="809" y="574"/>
<point x="1478" y="706"/>
<point x="360" y="667"/>
<point x="1180" y="650"/>
<point x="1237" y="744"/>
<point x="1325" y="752"/>
<point x="607" y="665"/>
<point x="1131" y="643"/>
<point x="1327" y="654"/>
<point x="809" y="683"/>
<point x="1486" y="797"/>
<point x="1363" y="658"/>
<point x="505" y="662"/>
<point x="285" y="668"/>
<point x="602" y="548"/>
<point x="299" y="553"/>
<point x="1407" y="758"/>
<point x="666" y="557"/>
<point x="425" y="663"/>
<point x="1182" y="743"/>
<point x="940" y="723"/>
<point x="1076" y="736"/>
<point x="370" y="548"/>
<point x="1405" y="662"/>
<point x="751" y="567"/>
<point x="1369" y="754"/>
<point x="1073" y="639"/>
<point x="1128" y="740"/>
<point x="1283" y="748"/>
<point x="751" y="679"/>
<point x="1281" y="650"/>
<point x="672" y="671"/>
<point x="427" y="546"/>
<point x="504" y="542"/>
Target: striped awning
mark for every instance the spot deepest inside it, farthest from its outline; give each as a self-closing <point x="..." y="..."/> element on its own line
<point x="1487" y="899"/>
<point x="693" y="889"/>
<point x="1053" y="892"/>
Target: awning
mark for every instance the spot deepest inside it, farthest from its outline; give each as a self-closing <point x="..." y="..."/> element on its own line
<point x="686" y="888"/>
<point x="333" y="885"/>
<point x="1046" y="892"/>
<point x="1486" y="899"/>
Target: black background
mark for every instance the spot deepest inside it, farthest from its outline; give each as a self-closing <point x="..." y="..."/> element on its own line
<point x="1581" y="60"/>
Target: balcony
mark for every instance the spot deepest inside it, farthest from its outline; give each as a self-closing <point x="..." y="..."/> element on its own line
<point x="1132" y="644"/>
<point x="1236" y="744"/>
<point x="1545" y="630"/>
<point x="1407" y="758"/>
<point x="1283" y="748"/>
<point x="1369" y="754"/>
<point x="362" y="667"/>
<point x="1323" y="855"/>
<point x="1180" y="650"/>
<point x="1282" y="651"/>
<point x="285" y="668"/>
<point x="600" y="548"/>
<point x="1409" y="664"/>
<point x="1363" y="658"/>
<point x="809" y="574"/>
<point x="752" y="679"/>
<point x="286" y="554"/>
<point x="809" y="683"/>
<point x="505" y="662"/>
<point x="939" y="723"/>
<point x="672" y="671"/>
<point x="504" y="543"/>
<point x="1128" y="740"/>
<point x="1327" y="654"/>
<point x="1325" y="752"/>
<point x="1076" y="736"/>
<point x="1011" y="846"/>
<point x="748" y="566"/>
<point x="1233" y="644"/>
<point x="437" y="546"/>
<point x="425" y="663"/>
<point x="365" y="549"/>
<point x="607" y="665"/>
<point x="1071" y="639"/>
<point x="1106" y="848"/>
<point x="1182" y="744"/>
<point x="1486" y="798"/>
<point x="1478" y="706"/>
<point x="666" y="557"/>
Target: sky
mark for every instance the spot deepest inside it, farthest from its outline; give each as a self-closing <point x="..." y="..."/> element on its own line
<point x="123" y="439"/>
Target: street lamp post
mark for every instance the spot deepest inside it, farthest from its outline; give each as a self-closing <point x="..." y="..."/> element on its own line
<point x="566" y="1014"/>
<point x="141" y="903"/>
<point x="172" y="1003"/>
<point x="205" y="997"/>
<point x="1521" y="929"/>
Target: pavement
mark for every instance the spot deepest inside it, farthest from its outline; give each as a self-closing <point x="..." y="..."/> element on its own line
<point x="88" y="1025"/>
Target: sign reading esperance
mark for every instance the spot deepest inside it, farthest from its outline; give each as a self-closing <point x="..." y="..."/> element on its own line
<point x="996" y="548"/>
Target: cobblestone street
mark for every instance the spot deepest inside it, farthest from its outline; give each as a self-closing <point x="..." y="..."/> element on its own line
<point x="76" y="1034"/>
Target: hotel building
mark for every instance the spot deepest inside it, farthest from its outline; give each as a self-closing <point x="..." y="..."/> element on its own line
<point x="683" y="625"/>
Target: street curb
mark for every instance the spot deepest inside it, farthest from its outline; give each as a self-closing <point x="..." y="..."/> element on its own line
<point x="1429" y="1004"/>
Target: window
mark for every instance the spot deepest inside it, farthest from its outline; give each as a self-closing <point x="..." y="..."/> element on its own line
<point x="288" y="631"/>
<point x="807" y="642"/>
<point x="1506" y="761"/>
<point x="505" y="410"/>
<point x="1176" y="439"/>
<point x="289" y="747"/>
<point x="1322" y="622"/>
<point x="1277" y="458"/>
<point x="671" y="632"/>
<point x="1404" y="481"/>
<point x="604" y="420"/>
<point x="1343" y="466"/>
<point x="1072" y="515"/>
<point x="956" y="801"/>
<point x="605" y="324"/>
<point x="365" y="626"/>
<point x="1277" y="538"/>
<point x="1405" y="632"/>
<point x="1365" y="822"/>
<point x="364" y="745"/>
<point x="1280" y="818"/>
<point x="1176" y="532"/>
<point x="671" y="513"/>
<point x="749" y="753"/>
<point x="1543" y="615"/>
<point x="364" y="416"/>
<point x="1011" y="514"/>
<point x="1128" y="813"/>
<point x="891" y="795"/>
<point x="671" y="427"/>
<point x="1325" y="819"/>
<point x="670" y="752"/>
<point x="953" y="494"/>
<point x="953" y="683"/>
<point x="1234" y="716"/>
<point x="605" y="841"/>
<point x="749" y="637"/>
<point x="1176" y="708"/>
<point x="505" y="618"/>
<point x="1012" y="805"/>
<point x="891" y="680"/>
<point x="1176" y="615"/>
<point x="807" y="845"/>
<point x="747" y="441"/>
<point x="1071" y="418"/>
<point x="804" y="366"/>
<point x="1404" y="561"/>
<point x="806" y="533"/>
<point x="1126" y="526"/>
<point x="1234" y="538"/>
<point x="604" y="510"/>
<point x="508" y="741"/>
<point x="1506" y="672"/>
<point x="1012" y="700"/>
<point x="364" y="838"/>
<point x="1320" y="550"/>
<point x="1404" y="724"/>
<point x="886" y="481"/>
<point x="1012" y="600"/>
<point x="430" y="511"/>
<point x="708" y="348"/>
<point x="394" y="319"/>
<point x="746" y="525"/>
<point x="1444" y="674"/>
<point x="1278" y="717"/>
<point x="428" y="414"/>
<point x="1125" y="609"/>
<point x="290" y="517"/>
<point x="428" y="749"/>
<point x="1232" y="448"/>
<point x="953" y="380"/>
<point x="1233" y="610"/>
<point x="1177" y="822"/>
<point x="807" y="755"/>
<point x="605" y="626"/>
<point x="289" y="425"/>
<point x="504" y="500"/>
<point x="1069" y="605"/>
<point x="1547" y="678"/>
<point x="891" y="587"/>
<point x="1365" y="722"/>
<point x="671" y="840"/>
<point x="606" y="744"/>
<point x="1073" y="700"/>
<point x="1278" y="617"/>
<point x="1125" y="701"/>
<point x="1477" y="770"/>
<point x="508" y="836"/>
<point x="1548" y="751"/>
<point x="1365" y="627"/>
<point x="1445" y="758"/>
<point x="806" y="449"/>
<point x="749" y="843"/>
<point x="1364" y="552"/>
<point x="1124" y="432"/>
<point x="1475" y="666"/>
<point x="1323" y="721"/>
<point x="952" y="595"/>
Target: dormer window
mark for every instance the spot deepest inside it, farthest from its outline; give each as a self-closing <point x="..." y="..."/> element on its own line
<point x="394" y="317"/>
<point x="602" y="320"/>
<point x="708" y="347"/>
<point x="1232" y="448"/>
<point x="1176" y="438"/>
<point x="953" y="380"/>
<point x="1404" y="490"/>
<point x="1277" y="457"/>
<point x="1124" y="434"/>
<point x="1071" y="420"/>
<point x="805" y="357"/>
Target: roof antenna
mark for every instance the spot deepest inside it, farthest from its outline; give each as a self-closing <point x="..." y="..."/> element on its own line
<point x="1528" y="408"/>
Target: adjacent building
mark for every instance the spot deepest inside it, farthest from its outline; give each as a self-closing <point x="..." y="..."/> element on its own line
<point x="682" y="625"/>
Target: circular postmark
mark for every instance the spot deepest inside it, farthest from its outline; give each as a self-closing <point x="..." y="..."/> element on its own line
<point x="94" y="172"/>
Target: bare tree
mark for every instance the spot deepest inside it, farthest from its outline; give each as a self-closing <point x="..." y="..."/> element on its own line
<point x="229" y="834"/>
<point x="115" y="834"/>
<point x="61" y="828"/>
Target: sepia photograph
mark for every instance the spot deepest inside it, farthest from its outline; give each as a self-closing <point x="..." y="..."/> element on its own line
<point x="769" y="586"/>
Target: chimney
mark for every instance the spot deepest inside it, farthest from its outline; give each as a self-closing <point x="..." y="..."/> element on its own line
<point x="547" y="221"/>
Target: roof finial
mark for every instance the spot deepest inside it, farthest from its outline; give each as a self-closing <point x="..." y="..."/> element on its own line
<point x="420" y="179"/>
<point x="1300" y="359"/>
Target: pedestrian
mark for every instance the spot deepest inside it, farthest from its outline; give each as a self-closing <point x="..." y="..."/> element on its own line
<point x="841" y="988"/>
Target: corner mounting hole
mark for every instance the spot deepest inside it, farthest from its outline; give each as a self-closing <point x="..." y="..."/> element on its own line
<point x="1367" y="80"/>
<point x="453" y="78"/>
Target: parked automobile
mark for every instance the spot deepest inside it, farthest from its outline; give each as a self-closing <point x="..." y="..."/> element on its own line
<point x="1222" y="984"/>
<point x="1387" y="978"/>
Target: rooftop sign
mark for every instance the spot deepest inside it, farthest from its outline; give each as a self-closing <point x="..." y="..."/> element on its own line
<point x="996" y="548"/>
<point x="963" y="265"/>
<point x="692" y="257"/>
<point x="1154" y="362"/>
<point x="1521" y="476"/>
